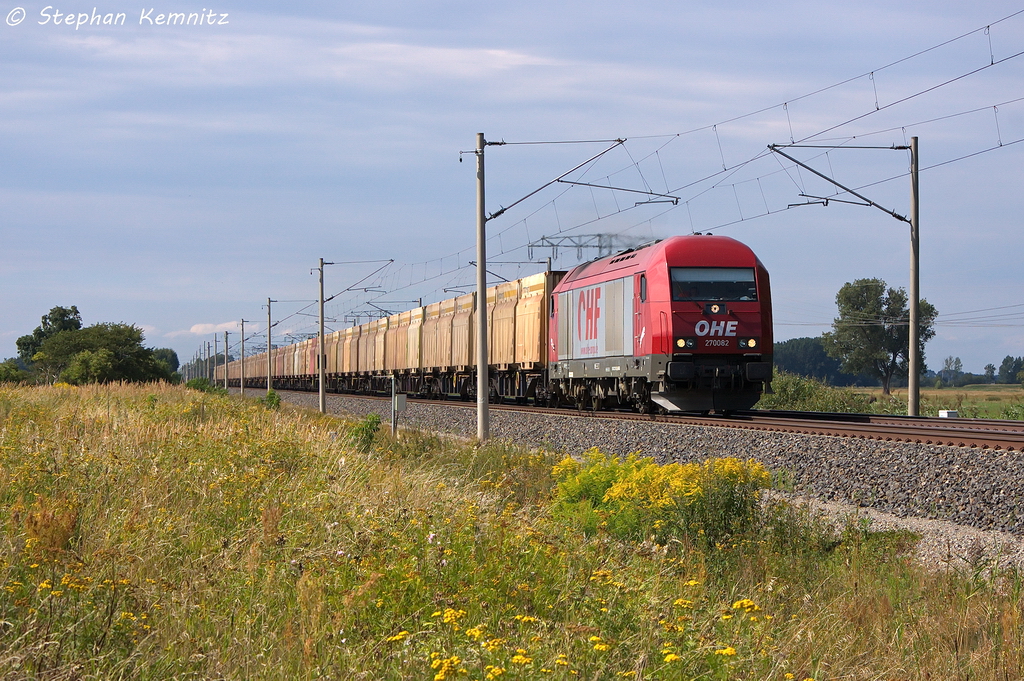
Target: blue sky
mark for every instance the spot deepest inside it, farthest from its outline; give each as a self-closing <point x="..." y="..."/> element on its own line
<point x="174" y="177"/>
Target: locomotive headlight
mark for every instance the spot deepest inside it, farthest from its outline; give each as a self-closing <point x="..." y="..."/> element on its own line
<point x="680" y="342"/>
<point x="715" y="308"/>
<point x="748" y="342"/>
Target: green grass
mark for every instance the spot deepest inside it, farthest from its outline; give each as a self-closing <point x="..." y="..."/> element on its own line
<point x="792" y="392"/>
<point x="160" y="532"/>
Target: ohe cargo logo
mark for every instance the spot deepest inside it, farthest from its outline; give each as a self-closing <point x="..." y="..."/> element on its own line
<point x="588" y="313"/>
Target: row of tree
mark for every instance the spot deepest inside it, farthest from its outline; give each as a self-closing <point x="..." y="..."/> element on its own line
<point x="870" y="340"/>
<point x="60" y="348"/>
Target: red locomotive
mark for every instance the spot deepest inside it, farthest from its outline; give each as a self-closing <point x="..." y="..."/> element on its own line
<point x="684" y="324"/>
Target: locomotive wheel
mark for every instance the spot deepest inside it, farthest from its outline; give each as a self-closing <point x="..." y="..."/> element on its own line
<point x="582" y="398"/>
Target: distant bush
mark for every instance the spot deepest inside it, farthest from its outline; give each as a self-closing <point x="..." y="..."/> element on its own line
<point x="792" y="392"/>
<point x="10" y="372"/>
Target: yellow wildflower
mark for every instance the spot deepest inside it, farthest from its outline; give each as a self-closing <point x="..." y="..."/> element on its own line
<point x="746" y="605"/>
<point x="492" y="644"/>
<point x="451" y="615"/>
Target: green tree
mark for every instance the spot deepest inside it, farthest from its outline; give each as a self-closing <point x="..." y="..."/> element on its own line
<point x="871" y="335"/>
<point x="990" y="373"/>
<point x="952" y="369"/>
<point x="53" y="322"/>
<point x="10" y="372"/>
<point x="168" y="357"/>
<point x="1009" y="368"/>
<point x="91" y="366"/>
<point x="109" y="352"/>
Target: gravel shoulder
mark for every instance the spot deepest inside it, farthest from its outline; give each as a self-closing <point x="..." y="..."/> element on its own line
<point x="943" y="545"/>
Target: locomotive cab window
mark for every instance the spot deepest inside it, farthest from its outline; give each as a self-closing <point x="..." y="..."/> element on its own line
<point x="713" y="283"/>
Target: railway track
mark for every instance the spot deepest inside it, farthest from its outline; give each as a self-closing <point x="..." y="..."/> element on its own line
<point x="959" y="432"/>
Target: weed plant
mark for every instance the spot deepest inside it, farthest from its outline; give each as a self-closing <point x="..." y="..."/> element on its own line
<point x="1013" y="412"/>
<point x="797" y="393"/>
<point x="203" y="384"/>
<point x="271" y="400"/>
<point x="160" y="533"/>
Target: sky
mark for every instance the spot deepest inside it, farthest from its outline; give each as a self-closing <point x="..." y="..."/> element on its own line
<point x="176" y="174"/>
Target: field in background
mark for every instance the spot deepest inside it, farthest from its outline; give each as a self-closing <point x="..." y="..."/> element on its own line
<point x="978" y="401"/>
<point x="157" y="533"/>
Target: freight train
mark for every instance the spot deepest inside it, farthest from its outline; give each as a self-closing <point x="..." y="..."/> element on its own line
<point x="681" y="324"/>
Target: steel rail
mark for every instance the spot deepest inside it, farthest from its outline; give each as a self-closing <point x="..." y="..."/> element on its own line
<point x="959" y="432"/>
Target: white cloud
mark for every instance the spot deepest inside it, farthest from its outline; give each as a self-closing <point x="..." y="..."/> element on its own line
<point x="205" y="330"/>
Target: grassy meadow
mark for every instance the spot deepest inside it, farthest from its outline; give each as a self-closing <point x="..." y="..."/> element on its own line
<point x="155" y="532"/>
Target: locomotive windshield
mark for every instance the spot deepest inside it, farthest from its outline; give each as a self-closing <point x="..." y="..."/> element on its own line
<point x="713" y="283"/>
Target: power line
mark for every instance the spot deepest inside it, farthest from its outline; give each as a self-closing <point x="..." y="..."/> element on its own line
<point x="719" y="177"/>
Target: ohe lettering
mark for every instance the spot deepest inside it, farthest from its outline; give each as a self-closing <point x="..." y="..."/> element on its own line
<point x="716" y="328"/>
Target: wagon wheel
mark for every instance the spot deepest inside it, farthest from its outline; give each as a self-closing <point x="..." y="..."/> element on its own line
<point x="596" y="402"/>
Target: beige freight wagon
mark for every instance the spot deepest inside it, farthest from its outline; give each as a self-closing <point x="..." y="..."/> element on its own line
<point x="430" y="349"/>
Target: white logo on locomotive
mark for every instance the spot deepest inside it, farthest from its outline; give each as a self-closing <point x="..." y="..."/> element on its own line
<point x="716" y="328"/>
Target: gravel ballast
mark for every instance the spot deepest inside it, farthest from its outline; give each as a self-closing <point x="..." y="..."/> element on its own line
<point x="895" y="483"/>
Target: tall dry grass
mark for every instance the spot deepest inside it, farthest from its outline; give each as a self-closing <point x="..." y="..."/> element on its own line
<point x="157" y="532"/>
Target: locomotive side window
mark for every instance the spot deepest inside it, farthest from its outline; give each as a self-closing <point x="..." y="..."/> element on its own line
<point x="713" y="283"/>
<point x="643" y="288"/>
